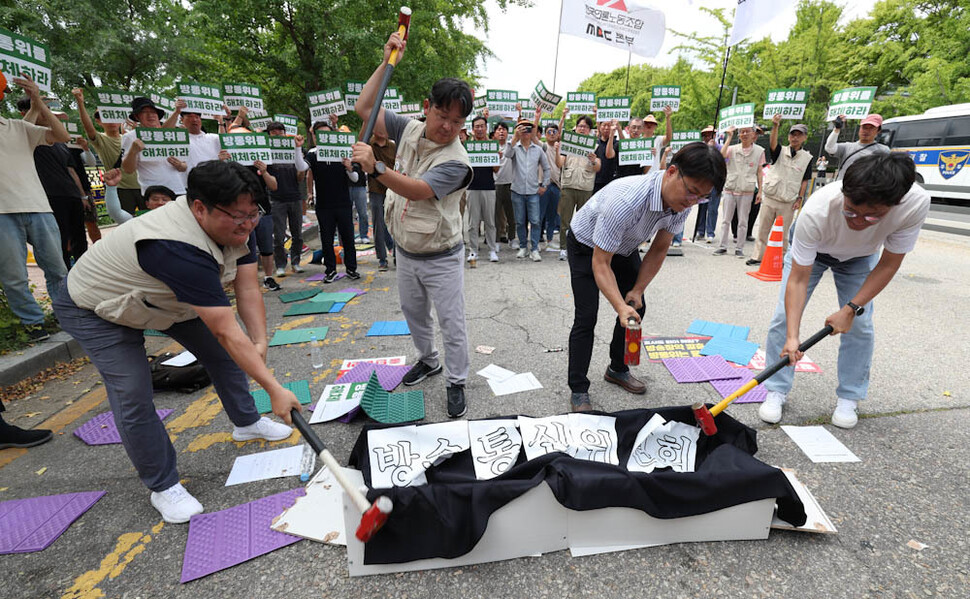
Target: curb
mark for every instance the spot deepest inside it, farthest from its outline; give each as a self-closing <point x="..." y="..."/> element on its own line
<point x="17" y="366"/>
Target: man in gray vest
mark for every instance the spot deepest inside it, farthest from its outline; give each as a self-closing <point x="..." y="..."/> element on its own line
<point x="784" y="185"/>
<point x="423" y="216"/>
<point x="849" y="152"/>
<point x="166" y="270"/>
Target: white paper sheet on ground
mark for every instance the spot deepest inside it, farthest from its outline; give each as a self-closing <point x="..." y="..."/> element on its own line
<point x="319" y="515"/>
<point x="495" y="446"/>
<point x="594" y="438"/>
<point x="387" y="361"/>
<point x="545" y="435"/>
<point x="265" y="465"/>
<point x="816" y="519"/>
<point x="496" y="373"/>
<point x="819" y="444"/>
<point x="183" y="359"/>
<point x="662" y="444"/>
<point x="395" y="458"/>
<point x="525" y="381"/>
<point x="337" y="400"/>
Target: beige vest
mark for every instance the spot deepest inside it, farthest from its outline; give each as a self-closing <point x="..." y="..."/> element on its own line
<point x="578" y="173"/>
<point x="742" y="171"/>
<point x="424" y="226"/>
<point x="784" y="178"/>
<point x="108" y="279"/>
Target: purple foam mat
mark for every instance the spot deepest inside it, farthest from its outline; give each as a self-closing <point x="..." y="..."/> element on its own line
<point x="353" y="290"/>
<point x="349" y="416"/>
<point x="699" y="370"/>
<point x="317" y="277"/>
<point x="388" y="376"/>
<point x="32" y="524"/>
<point x="223" y="539"/>
<point x="726" y="387"/>
<point x="101" y="429"/>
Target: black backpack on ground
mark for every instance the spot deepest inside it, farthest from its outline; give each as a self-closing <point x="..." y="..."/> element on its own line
<point x="184" y="379"/>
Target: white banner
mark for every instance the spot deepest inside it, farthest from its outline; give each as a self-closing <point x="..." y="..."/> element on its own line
<point x="750" y="15"/>
<point x="623" y="24"/>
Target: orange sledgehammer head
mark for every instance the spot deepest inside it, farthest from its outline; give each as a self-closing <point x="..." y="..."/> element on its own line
<point x="374" y="518"/>
<point x="705" y="419"/>
<point x="404" y="20"/>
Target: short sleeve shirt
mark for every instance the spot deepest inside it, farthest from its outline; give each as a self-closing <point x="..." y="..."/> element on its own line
<point x="20" y="187"/>
<point x="151" y="172"/>
<point x="444" y="178"/>
<point x="192" y="274"/>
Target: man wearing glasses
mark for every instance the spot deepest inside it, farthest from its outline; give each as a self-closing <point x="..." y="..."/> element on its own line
<point x="876" y="205"/>
<point x="166" y="270"/>
<point x="603" y="242"/>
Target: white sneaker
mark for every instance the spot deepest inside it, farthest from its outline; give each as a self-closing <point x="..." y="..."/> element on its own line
<point x="675" y="244"/>
<point x="770" y="410"/>
<point x="522" y="253"/>
<point x="562" y="254"/>
<point x="492" y="256"/>
<point x="535" y="256"/>
<point x="472" y="256"/>
<point x="280" y="272"/>
<point x="297" y="268"/>
<point x="845" y="415"/>
<point x="542" y="246"/>
<point x="553" y="245"/>
<point x="264" y="428"/>
<point x="175" y="504"/>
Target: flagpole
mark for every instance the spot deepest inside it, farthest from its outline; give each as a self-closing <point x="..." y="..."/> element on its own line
<point x="555" y="68"/>
<point x="629" y="61"/>
<point x="720" y="89"/>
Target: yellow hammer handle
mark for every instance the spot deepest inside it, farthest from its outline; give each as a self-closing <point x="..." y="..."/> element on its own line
<point x="717" y="409"/>
<point x="393" y="60"/>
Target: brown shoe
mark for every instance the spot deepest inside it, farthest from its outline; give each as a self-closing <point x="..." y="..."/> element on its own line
<point x="625" y="380"/>
<point x="579" y="402"/>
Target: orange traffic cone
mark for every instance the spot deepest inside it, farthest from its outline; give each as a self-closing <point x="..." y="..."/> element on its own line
<point x="770" y="269"/>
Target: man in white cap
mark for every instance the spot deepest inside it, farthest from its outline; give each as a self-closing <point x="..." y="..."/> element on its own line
<point x="849" y="152"/>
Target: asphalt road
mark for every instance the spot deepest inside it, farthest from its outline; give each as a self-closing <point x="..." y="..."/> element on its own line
<point x="910" y="484"/>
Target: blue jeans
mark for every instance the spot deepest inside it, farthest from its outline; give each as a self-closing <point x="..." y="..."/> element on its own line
<point x="521" y="205"/>
<point x="855" y="347"/>
<point x="359" y="197"/>
<point x="380" y="230"/>
<point x="712" y="206"/>
<point x="16" y="231"/>
<point x="549" y="210"/>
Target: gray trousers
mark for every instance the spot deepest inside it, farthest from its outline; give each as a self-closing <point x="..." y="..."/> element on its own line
<point x="437" y="282"/>
<point x="481" y="207"/>
<point x="283" y="213"/>
<point x="118" y="353"/>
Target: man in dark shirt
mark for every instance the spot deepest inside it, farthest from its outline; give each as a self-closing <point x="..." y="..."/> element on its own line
<point x="606" y="152"/>
<point x="287" y="203"/>
<point x="481" y="201"/>
<point x="385" y="150"/>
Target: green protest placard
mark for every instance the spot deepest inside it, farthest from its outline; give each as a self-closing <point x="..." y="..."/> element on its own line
<point x="352" y="91"/>
<point x="789" y="103"/>
<point x="852" y="102"/>
<point x="415" y="110"/>
<point x="545" y="99"/>
<point x="545" y="123"/>
<point x="324" y="103"/>
<point x="577" y="144"/>
<point x="282" y="149"/>
<point x="392" y="100"/>
<point x="478" y="105"/>
<point x="114" y="105"/>
<point x="164" y="102"/>
<point x="662" y="96"/>
<point x="334" y="146"/>
<point x="289" y="121"/>
<point x="682" y="138"/>
<point x="74" y="129"/>
<point x="247" y="148"/>
<point x="162" y="143"/>
<point x="609" y="108"/>
<point x="581" y="102"/>
<point x="527" y="106"/>
<point x="259" y="120"/>
<point x="21" y="55"/>
<point x="636" y="151"/>
<point x="204" y="98"/>
<point x="501" y="102"/>
<point x="738" y="116"/>
<point x="236" y="95"/>
<point x="483" y="153"/>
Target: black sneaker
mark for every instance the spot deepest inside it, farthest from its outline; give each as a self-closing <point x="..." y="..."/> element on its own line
<point x="579" y="402"/>
<point x="382" y="266"/>
<point x="14" y="436"/>
<point x="419" y="372"/>
<point x="753" y="262"/>
<point x="353" y="274"/>
<point x="456" y="401"/>
<point x="331" y="277"/>
<point x="36" y="333"/>
<point x="720" y="252"/>
<point x="271" y="284"/>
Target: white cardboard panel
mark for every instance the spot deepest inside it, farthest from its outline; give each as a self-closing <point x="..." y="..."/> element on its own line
<point x="319" y="515"/>
<point x="817" y="520"/>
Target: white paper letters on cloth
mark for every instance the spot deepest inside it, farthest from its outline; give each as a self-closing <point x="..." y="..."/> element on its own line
<point x="663" y="445"/>
<point x="394" y="457"/>
<point x="495" y="446"/>
<point x="623" y="24"/>
<point x="594" y="438"/>
<point x="545" y="435"/>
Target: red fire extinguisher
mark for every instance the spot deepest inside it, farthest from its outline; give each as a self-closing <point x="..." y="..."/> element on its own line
<point x="632" y="355"/>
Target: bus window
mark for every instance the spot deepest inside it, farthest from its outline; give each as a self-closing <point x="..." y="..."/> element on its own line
<point x="959" y="132"/>
<point x="920" y="134"/>
<point x="886" y="136"/>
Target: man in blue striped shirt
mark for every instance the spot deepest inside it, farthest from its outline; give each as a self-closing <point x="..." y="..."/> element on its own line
<point x="602" y="245"/>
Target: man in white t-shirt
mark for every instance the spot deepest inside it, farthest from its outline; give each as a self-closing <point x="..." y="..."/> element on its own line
<point x="168" y="173"/>
<point x="842" y="227"/>
<point x="202" y="146"/>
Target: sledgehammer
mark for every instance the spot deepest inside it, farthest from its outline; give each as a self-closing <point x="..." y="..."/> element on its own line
<point x="403" y="27"/>
<point x="705" y="417"/>
<point x="373" y="516"/>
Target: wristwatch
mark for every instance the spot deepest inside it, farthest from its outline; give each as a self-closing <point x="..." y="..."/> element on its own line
<point x="857" y="309"/>
<point x="379" y="169"/>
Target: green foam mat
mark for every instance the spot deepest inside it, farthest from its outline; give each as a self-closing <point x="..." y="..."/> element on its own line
<point x="308" y="308"/>
<point x="391" y="408"/>
<point x="154" y="333"/>
<point x="297" y="336"/>
<point x="335" y="297"/>
<point x="298" y="295"/>
<point x="299" y="388"/>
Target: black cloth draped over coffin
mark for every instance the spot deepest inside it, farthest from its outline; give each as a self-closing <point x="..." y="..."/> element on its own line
<point x="447" y="517"/>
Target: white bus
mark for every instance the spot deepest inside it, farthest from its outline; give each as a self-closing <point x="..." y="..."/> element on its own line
<point x="939" y="142"/>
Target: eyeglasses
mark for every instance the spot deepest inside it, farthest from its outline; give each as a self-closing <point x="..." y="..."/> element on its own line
<point x="691" y="195"/>
<point x="240" y="220"/>
<point x="869" y="219"/>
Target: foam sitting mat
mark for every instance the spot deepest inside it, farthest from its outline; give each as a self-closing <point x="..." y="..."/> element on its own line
<point x="337" y="307"/>
<point x="299" y="388"/>
<point x="354" y="290"/>
<point x="335" y="296"/>
<point x="220" y="540"/>
<point x="718" y="329"/>
<point x="309" y="308"/>
<point x="101" y="430"/>
<point x="388" y="376"/>
<point x="32" y="524"/>
<point x="699" y="370"/>
<point x="726" y="387"/>
<point x="296" y="296"/>
<point x="383" y="328"/>
<point x="297" y="336"/>
<point x="738" y="351"/>
<point x="154" y="333"/>
<point x="391" y="408"/>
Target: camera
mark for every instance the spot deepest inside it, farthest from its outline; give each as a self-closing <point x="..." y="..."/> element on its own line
<point x="526" y="128"/>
